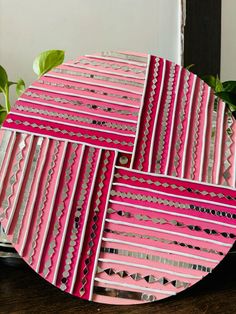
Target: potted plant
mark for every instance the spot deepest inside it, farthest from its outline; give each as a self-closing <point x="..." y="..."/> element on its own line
<point x="226" y="91"/>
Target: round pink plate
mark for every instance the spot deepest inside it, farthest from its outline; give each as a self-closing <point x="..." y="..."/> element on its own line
<point x="117" y="178"/>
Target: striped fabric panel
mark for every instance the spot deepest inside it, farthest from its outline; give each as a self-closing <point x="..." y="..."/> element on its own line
<point x="184" y="131"/>
<point x="161" y="235"/>
<point x="85" y="105"/>
<point x="63" y="190"/>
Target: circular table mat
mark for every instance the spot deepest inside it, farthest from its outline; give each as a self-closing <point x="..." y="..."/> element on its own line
<point x="117" y="178"/>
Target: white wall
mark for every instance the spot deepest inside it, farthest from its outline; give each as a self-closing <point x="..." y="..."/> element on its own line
<point x="228" y="41"/>
<point x="28" y="27"/>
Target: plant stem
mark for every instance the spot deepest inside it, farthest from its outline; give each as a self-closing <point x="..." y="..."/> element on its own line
<point x="7" y="100"/>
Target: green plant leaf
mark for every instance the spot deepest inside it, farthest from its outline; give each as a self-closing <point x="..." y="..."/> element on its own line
<point x="230" y="86"/>
<point x="3" y="79"/>
<point x="218" y="86"/>
<point x="210" y="80"/>
<point x="190" y="66"/>
<point x="231" y="107"/>
<point x="47" y="60"/>
<point x="20" y="87"/>
<point x="229" y="98"/>
<point x="11" y="83"/>
<point x="213" y="82"/>
<point x="3" y="115"/>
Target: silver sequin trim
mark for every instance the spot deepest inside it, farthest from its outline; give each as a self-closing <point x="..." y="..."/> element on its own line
<point x="4" y="144"/>
<point x="13" y="178"/>
<point x="91" y="106"/>
<point x="212" y="144"/>
<point x="162" y="240"/>
<point x="76" y="225"/>
<point x="149" y="112"/>
<point x="196" y="131"/>
<point x="112" y="66"/>
<point x="73" y="118"/>
<point x="89" y="90"/>
<point x="94" y="219"/>
<point x="78" y="134"/>
<point x="148" y="278"/>
<point x="180" y="125"/>
<point x="228" y="153"/>
<point x="59" y="210"/>
<point x="98" y="77"/>
<point x="165" y="118"/>
<point x="124" y="294"/>
<point x="156" y="258"/>
<point x="124" y="56"/>
<point x="27" y="190"/>
<point x="158" y="200"/>
<point x="43" y="202"/>
<point x="173" y="222"/>
<point x="174" y="186"/>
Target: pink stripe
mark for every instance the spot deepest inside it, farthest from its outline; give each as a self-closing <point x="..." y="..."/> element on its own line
<point x="148" y="115"/>
<point x="101" y="206"/>
<point x="63" y="131"/>
<point x="220" y="123"/>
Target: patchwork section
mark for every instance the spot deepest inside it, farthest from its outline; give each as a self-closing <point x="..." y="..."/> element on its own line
<point x="87" y="101"/>
<point x="54" y="205"/>
<point x="161" y="235"/>
<point x="183" y="130"/>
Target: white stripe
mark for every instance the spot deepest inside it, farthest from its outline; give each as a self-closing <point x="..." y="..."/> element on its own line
<point x="188" y="127"/>
<point x="71" y="141"/>
<point x="55" y="190"/>
<point x="140" y="64"/>
<point x="204" y="134"/>
<point x="6" y="136"/>
<point x="220" y="145"/>
<point x="102" y="228"/>
<point x="83" y="96"/>
<point x="173" y="195"/>
<point x="71" y="124"/>
<point x="126" y="55"/>
<point x="74" y="277"/>
<point x="140" y="112"/>
<point x="74" y="110"/>
<point x="156" y="116"/>
<point x="31" y="209"/>
<point x="168" y="232"/>
<point x="7" y="160"/>
<point x="113" y="87"/>
<point x="158" y="175"/>
<point x="62" y="243"/>
<point x="104" y="260"/>
<point x="103" y="71"/>
<point x="174" y="214"/>
<point x="173" y="122"/>
<point x="19" y="187"/>
<point x="136" y="287"/>
<point x="212" y="144"/>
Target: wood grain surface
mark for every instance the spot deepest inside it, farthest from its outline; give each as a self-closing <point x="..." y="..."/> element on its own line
<point x="23" y="291"/>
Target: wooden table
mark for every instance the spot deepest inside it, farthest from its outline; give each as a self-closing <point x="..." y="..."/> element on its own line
<point x="23" y="291"/>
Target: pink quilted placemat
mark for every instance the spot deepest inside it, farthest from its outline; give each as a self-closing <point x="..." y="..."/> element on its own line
<point x="117" y="178"/>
